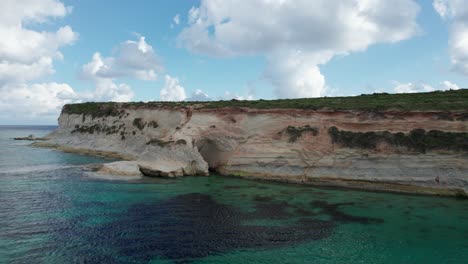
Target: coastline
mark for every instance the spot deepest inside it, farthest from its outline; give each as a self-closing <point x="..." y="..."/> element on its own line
<point x="328" y="182"/>
<point x="82" y="151"/>
<point x="421" y="148"/>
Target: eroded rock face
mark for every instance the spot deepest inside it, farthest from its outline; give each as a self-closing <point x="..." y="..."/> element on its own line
<point x="172" y="160"/>
<point x="287" y="145"/>
<point x="215" y="148"/>
<point x="170" y="168"/>
<point x="121" y="168"/>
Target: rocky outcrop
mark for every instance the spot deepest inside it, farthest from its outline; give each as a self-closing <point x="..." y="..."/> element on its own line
<point x="30" y="138"/>
<point x="410" y="151"/>
<point x="121" y="168"/>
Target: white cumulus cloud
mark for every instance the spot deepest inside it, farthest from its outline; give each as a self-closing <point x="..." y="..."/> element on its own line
<point x="172" y="90"/>
<point x="199" y="96"/>
<point x="229" y="96"/>
<point x="447" y="85"/>
<point x="135" y="59"/>
<point x="296" y="37"/>
<point x="27" y="54"/>
<point x="413" y="88"/>
<point x="456" y="13"/>
<point x="36" y="100"/>
<point x="423" y="87"/>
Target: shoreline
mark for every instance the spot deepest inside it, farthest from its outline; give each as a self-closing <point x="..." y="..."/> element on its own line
<point x="407" y="145"/>
<point x="83" y="151"/>
<point x="322" y="182"/>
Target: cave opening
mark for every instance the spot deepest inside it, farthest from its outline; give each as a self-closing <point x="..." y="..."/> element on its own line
<point x="210" y="152"/>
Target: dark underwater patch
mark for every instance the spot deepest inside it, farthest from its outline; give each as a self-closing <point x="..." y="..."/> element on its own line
<point x="193" y="226"/>
<point x="229" y="187"/>
<point x="333" y="211"/>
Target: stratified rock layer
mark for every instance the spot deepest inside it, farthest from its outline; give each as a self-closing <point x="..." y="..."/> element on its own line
<point x="286" y="145"/>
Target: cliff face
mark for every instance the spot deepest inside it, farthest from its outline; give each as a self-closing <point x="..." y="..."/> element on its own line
<point x="421" y="152"/>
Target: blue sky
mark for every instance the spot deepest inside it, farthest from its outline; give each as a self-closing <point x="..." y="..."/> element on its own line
<point x="223" y="50"/>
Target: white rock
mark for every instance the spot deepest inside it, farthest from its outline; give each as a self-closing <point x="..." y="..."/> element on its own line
<point x="121" y="168"/>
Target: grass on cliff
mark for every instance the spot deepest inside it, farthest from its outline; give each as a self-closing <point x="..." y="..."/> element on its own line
<point x="417" y="140"/>
<point x="452" y="100"/>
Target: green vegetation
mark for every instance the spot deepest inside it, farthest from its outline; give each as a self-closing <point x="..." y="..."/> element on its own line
<point x="417" y="140"/>
<point x="442" y="101"/>
<point x="460" y="194"/>
<point x="296" y="132"/>
<point x="439" y="100"/>
<point x="138" y="122"/>
<point x="96" y="128"/>
<point x="153" y="124"/>
<point x="93" y="109"/>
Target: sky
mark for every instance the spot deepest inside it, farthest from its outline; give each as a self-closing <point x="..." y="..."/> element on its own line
<point x="54" y="52"/>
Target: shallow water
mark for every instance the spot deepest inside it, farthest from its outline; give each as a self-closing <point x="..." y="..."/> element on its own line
<point x="52" y="212"/>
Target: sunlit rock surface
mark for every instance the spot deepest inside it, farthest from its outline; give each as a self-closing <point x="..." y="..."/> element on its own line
<point x="280" y="144"/>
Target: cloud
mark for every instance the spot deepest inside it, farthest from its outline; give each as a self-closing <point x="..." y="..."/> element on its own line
<point x="422" y="87"/>
<point x="108" y="90"/>
<point x="441" y="7"/>
<point x="296" y="75"/>
<point x="296" y="37"/>
<point x="456" y="13"/>
<point x="172" y="90"/>
<point x="199" y="96"/>
<point x="27" y="54"/>
<point x="131" y="59"/>
<point x="229" y="96"/>
<point x="135" y="59"/>
<point x="42" y="100"/>
<point x="446" y="85"/>
<point x="176" y="19"/>
<point x="14" y="72"/>
<point x="413" y="88"/>
<point x="105" y="87"/>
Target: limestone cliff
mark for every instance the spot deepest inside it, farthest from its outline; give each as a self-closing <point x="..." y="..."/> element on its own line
<point x="410" y="151"/>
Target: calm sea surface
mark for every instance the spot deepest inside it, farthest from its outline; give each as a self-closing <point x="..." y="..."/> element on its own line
<point x="52" y="211"/>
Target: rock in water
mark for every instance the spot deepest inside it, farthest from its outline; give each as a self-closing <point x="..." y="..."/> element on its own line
<point x="30" y="137"/>
<point x="121" y="168"/>
<point x="168" y="169"/>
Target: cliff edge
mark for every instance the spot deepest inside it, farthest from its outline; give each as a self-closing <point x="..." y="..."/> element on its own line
<point x="416" y="143"/>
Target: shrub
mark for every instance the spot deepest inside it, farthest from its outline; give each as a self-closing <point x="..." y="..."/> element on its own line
<point x="418" y="139"/>
<point x="442" y="101"/>
<point x="153" y="124"/>
<point x="181" y="142"/>
<point x="159" y="142"/>
<point x="138" y="122"/>
<point x="87" y="129"/>
<point x="296" y="132"/>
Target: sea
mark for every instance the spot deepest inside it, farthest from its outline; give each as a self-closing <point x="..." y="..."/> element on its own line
<point x="52" y="210"/>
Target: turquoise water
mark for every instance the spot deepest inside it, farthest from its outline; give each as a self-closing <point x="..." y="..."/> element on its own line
<point x="51" y="211"/>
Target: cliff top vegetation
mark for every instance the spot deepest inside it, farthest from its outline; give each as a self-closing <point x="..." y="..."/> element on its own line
<point x="453" y="100"/>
